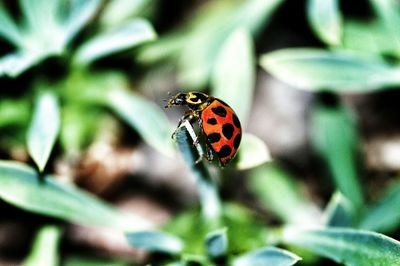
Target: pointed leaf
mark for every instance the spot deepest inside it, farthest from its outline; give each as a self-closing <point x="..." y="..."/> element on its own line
<point x="8" y="27"/>
<point x="40" y="14"/>
<point x="334" y="136"/>
<point x="384" y="216"/>
<point x="211" y="28"/>
<point x="80" y="12"/>
<point x="269" y="256"/>
<point x="252" y="152"/>
<point x="389" y="17"/>
<point x="21" y="186"/>
<point x="144" y="116"/>
<point x="121" y="38"/>
<point x="45" y="247"/>
<point x="338" y="71"/>
<point x="217" y="243"/>
<point x="155" y="241"/>
<point x="326" y="20"/>
<point x="339" y="212"/>
<point x="367" y="36"/>
<point x="233" y="77"/>
<point x="348" y="246"/>
<point x="16" y="63"/>
<point x="44" y="129"/>
<point x="118" y="11"/>
<point x="279" y="193"/>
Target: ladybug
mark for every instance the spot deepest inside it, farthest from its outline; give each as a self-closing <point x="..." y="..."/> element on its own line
<point x="217" y="120"/>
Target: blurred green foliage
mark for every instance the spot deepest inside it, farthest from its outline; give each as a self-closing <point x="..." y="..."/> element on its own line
<point x="215" y="48"/>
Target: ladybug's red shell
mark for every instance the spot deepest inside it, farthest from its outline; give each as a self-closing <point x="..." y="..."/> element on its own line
<point x="222" y="128"/>
<point x="218" y="121"/>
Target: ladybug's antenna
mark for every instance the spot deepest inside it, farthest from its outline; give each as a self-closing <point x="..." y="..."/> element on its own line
<point x="168" y="103"/>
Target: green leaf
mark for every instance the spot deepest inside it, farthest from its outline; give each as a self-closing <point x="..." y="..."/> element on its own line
<point x="126" y="36"/>
<point x="338" y="71"/>
<point x="166" y="47"/>
<point x="118" y="11"/>
<point x="45" y="247"/>
<point x="248" y="230"/>
<point x="326" y="20"/>
<point x="14" y="64"/>
<point x="21" y="186"/>
<point x="80" y="124"/>
<point x="208" y="192"/>
<point x="44" y="129"/>
<point x="8" y="27"/>
<point x="267" y="256"/>
<point x="384" y="216"/>
<point x="348" y="246"/>
<point x="145" y="117"/>
<point x="155" y="241"/>
<point x="80" y="12"/>
<point x="335" y="138"/>
<point x="339" y="212"/>
<point x="208" y="31"/>
<point x="389" y="18"/>
<point x="40" y="14"/>
<point x="14" y="112"/>
<point x="233" y="77"/>
<point x="366" y="36"/>
<point x="252" y="152"/>
<point x="217" y="243"/>
<point x="61" y="19"/>
<point x="279" y="193"/>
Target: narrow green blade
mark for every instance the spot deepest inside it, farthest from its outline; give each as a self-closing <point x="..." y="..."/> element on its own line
<point x="45" y="247"/>
<point x="22" y="187"/>
<point x="336" y="71"/>
<point x="125" y="36"/>
<point x="269" y="256"/>
<point x="348" y="246"/>
<point x="233" y="77"/>
<point x="44" y="129"/>
<point x="326" y="20"/>
<point x="155" y="241"/>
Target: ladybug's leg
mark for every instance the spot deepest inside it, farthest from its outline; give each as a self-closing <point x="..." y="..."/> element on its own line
<point x="197" y="140"/>
<point x="209" y="156"/>
<point x="190" y="117"/>
<point x="209" y="153"/>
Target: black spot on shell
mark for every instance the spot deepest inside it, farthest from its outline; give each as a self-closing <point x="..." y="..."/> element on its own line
<point x="212" y="121"/>
<point x="236" y="141"/>
<point x="214" y="137"/>
<point x="227" y="130"/>
<point x="220" y="111"/>
<point x="224" y="151"/>
<point x="236" y="121"/>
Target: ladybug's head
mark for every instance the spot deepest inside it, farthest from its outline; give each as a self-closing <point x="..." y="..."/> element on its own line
<point x="194" y="100"/>
<point x="179" y="99"/>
